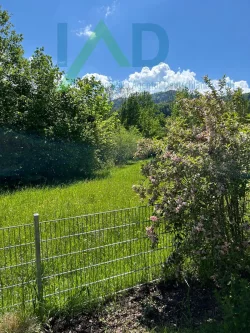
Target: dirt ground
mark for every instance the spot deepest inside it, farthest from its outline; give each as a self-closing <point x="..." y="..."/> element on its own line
<point x="143" y="310"/>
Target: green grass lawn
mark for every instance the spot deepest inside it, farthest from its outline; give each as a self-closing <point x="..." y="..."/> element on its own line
<point x="85" y="257"/>
<point x="112" y="192"/>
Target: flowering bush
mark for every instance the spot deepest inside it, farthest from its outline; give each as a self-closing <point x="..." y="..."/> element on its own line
<point x="145" y="148"/>
<point x="198" y="183"/>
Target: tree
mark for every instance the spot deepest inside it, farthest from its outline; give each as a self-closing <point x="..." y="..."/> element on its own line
<point x="139" y="110"/>
<point x="12" y="67"/>
<point x="130" y="111"/>
<point x="46" y="131"/>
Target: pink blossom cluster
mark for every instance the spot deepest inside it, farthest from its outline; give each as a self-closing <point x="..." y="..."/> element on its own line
<point x="176" y="159"/>
<point x="180" y="204"/>
<point x="167" y="154"/>
<point x="152" y="179"/>
<point x="154" y="218"/>
<point x="199" y="227"/>
<point x="172" y="156"/>
<point x="145" y="148"/>
<point x="203" y="136"/>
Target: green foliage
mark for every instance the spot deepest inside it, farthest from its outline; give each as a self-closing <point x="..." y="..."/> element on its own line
<point x="234" y="301"/>
<point x="125" y="144"/>
<point x="33" y="159"/>
<point x="166" y="97"/>
<point x="49" y="130"/>
<point x="199" y="183"/>
<point x="176" y="107"/>
<point x="236" y="307"/>
<point x="146" y="148"/>
<point x="165" y="108"/>
<point x="139" y="110"/>
<point x="61" y="133"/>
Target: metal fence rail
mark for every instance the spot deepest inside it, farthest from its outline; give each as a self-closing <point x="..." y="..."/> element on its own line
<point x="78" y="259"/>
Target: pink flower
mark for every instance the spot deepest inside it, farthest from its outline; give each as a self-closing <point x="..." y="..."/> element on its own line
<point x="152" y="179"/>
<point x="202" y="136"/>
<point x="199" y="228"/>
<point x="154" y="218"/>
<point x="177" y="209"/>
<point x="167" y="154"/>
<point x="176" y="159"/>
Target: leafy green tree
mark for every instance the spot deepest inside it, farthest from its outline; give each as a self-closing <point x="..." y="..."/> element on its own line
<point x="47" y="131"/>
<point x="12" y="68"/>
<point x="130" y="111"/>
<point x="165" y="108"/>
<point x="139" y="110"/>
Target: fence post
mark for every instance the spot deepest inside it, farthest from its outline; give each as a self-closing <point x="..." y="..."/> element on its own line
<point x="38" y="264"/>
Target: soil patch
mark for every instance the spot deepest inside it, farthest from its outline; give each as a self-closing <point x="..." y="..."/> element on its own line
<point x="144" y="309"/>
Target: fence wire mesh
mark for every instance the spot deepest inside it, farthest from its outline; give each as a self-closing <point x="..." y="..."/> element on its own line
<point x="17" y="267"/>
<point x="82" y="258"/>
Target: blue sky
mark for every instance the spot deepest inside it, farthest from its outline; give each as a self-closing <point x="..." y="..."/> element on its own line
<point x="206" y="37"/>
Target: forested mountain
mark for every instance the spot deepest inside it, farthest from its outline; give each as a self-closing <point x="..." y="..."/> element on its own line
<point x="165" y="96"/>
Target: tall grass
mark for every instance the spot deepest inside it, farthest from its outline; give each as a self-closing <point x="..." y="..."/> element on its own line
<point x="83" y="258"/>
<point x="111" y="192"/>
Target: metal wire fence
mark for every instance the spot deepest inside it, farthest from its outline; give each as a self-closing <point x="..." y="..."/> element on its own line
<point x="78" y="259"/>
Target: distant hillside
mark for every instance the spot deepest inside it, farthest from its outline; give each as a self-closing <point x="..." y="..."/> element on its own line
<point x="166" y="96"/>
<point x="160" y="97"/>
<point x="247" y="96"/>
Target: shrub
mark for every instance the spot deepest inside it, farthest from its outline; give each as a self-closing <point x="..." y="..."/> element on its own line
<point x="145" y="148"/>
<point x="30" y="158"/>
<point x="140" y="111"/>
<point x="198" y="183"/>
<point x="234" y="302"/>
<point x="125" y="144"/>
<point x="236" y="307"/>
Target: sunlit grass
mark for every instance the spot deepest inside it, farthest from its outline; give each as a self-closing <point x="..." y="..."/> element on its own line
<point x="82" y="258"/>
<point x="112" y="192"/>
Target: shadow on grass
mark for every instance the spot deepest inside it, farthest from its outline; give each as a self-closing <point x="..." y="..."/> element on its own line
<point x="13" y="184"/>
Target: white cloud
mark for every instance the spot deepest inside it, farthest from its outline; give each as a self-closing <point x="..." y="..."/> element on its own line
<point x="160" y="78"/>
<point x="105" y="80"/>
<point x="110" y="10"/>
<point x="86" y="32"/>
<point x="163" y="78"/>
